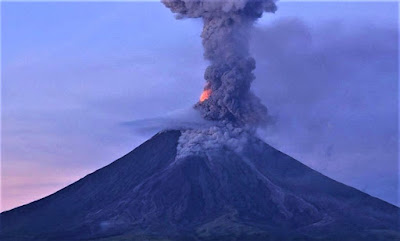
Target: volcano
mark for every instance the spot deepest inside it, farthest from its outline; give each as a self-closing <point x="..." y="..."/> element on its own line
<point x="152" y="193"/>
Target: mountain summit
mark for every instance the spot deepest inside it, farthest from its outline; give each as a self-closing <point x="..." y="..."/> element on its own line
<point x="159" y="191"/>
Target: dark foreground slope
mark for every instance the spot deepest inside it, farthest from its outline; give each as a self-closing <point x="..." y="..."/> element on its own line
<point x="259" y="194"/>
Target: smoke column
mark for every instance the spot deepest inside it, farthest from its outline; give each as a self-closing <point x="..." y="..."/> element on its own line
<point x="225" y="37"/>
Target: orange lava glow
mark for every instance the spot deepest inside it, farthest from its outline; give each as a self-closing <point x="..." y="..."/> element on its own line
<point x="205" y="95"/>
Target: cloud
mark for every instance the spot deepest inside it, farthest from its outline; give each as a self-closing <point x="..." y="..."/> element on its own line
<point x="187" y="118"/>
<point x="333" y="91"/>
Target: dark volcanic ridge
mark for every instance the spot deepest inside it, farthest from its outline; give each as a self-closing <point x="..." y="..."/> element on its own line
<point x="199" y="185"/>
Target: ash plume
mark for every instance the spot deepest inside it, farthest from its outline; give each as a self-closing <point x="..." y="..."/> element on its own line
<point x="225" y="38"/>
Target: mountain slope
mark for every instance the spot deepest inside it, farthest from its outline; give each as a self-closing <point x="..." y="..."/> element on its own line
<point x="257" y="194"/>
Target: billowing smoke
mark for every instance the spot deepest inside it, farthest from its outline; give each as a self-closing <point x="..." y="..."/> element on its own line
<point x="195" y="141"/>
<point x="226" y="45"/>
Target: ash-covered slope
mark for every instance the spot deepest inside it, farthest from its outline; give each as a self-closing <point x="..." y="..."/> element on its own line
<point x="258" y="193"/>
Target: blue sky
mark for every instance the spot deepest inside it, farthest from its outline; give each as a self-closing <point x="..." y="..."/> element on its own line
<point x="75" y="73"/>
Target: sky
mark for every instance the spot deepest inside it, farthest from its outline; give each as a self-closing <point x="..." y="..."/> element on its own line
<point x="84" y="82"/>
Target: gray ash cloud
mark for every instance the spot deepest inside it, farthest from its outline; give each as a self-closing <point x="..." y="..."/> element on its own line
<point x="225" y="38"/>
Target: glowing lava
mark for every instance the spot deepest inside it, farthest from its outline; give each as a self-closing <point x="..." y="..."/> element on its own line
<point x="205" y="95"/>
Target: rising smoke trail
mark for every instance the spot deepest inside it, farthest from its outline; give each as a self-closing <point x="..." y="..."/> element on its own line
<point x="225" y="38"/>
